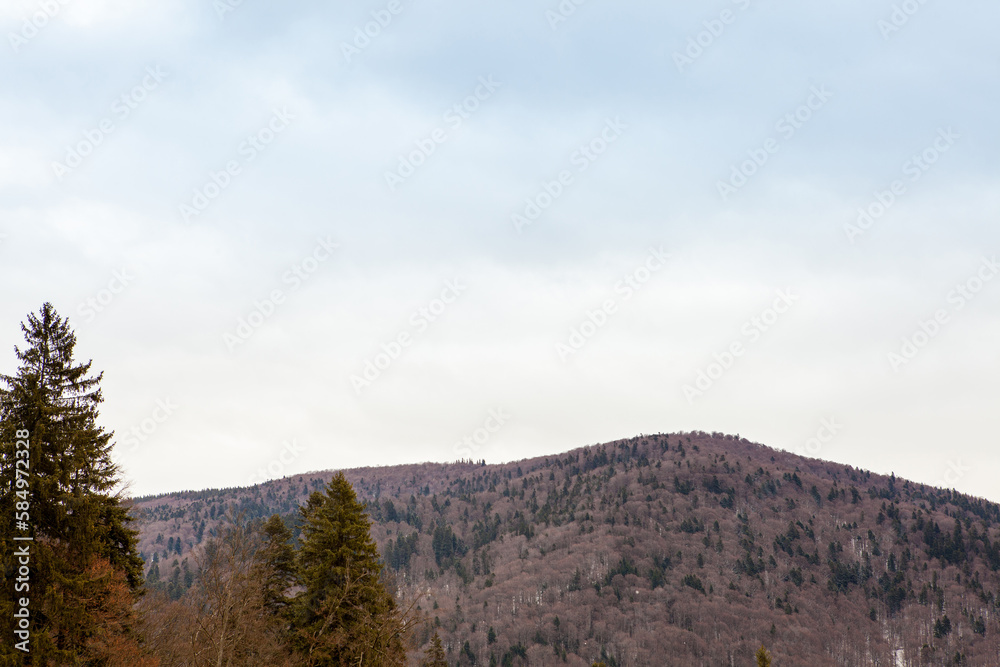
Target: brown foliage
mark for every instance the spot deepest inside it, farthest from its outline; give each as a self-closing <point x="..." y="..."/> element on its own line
<point x="434" y="655"/>
<point x="109" y="603"/>
<point x="613" y="541"/>
<point x="224" y="620"/>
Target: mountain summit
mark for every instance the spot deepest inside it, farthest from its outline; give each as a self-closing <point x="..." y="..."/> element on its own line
<point x="679" y="549"/>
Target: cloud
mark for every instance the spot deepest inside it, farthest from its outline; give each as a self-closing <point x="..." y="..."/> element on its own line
<point x="159" y="331"/>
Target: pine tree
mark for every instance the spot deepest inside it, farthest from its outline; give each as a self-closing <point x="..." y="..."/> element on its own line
<point x="763" y="657"/>
<point x="153" y="578"/>
<point x="277" y="564"/>
<point x="85" y="571"/>
<point x="344" y="615"/>
<point x="434" y="655"/>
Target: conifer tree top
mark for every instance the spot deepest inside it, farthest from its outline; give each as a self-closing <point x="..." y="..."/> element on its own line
<point x="49" y="355"/>
<point x="86" y="570"/>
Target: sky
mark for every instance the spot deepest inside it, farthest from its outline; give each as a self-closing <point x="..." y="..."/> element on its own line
<point x="300" y="237"/>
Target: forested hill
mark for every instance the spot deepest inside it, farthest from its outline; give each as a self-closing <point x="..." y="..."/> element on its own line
<point x="689" y="549"/>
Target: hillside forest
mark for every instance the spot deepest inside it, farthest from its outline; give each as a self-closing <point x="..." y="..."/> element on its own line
<point x="663" y="549"/>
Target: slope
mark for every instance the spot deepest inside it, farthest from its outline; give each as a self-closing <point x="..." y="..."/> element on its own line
<point x="681" y="549"/>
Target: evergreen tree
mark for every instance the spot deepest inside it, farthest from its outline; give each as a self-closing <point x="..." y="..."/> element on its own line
<point x="234" y="621"/>
<point x="344" y="615"/>
<point x="229" y="616"/>
<point x="84" y="567"/>
<point x="434" y="655"/>
<point x="154" y="574"/>
<point x="763" y="657"/>
<point x="277" y="563"/>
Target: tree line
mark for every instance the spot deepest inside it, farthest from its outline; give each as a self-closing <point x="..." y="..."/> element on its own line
<point x="619" y="553"/>
<point x="259" y="596"/>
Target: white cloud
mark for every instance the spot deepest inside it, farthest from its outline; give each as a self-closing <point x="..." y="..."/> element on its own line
<point x="495" y="346"/>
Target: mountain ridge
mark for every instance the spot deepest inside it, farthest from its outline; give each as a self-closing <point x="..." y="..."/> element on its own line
<point x="695" y="546"/>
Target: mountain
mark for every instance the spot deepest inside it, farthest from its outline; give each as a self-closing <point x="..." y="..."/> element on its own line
<point x="679" y="549"/>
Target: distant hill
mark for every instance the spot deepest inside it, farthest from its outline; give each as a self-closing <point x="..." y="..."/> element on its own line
<point x="681" y="549"/>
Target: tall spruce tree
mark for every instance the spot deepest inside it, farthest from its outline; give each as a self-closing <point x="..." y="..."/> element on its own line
<point x="434" y="655"/>
<point x="277" y="564"/>
<point x="763" y="657"/>
<point x="344" y="615"/>
<point x="84" y="569"/>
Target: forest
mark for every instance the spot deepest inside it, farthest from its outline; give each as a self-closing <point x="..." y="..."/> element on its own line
<point x="701" y="547"/>
<point x="662" y="549"/>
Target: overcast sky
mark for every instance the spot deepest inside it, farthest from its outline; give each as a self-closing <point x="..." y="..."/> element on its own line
<point x="300" y="237"/>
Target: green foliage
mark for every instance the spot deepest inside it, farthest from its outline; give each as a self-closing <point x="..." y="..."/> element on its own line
<point x="942" y="627"/>
<point x="658" y="573"/>
<point x="434" y="655"/>
<point x="485" y="532"/>
<point x="691" y="525"/>
<point x="468" y="654"/>
<point x="717" y="487"/>
<point x="694" y="581"/>
<point x="630" y="516"/>
<point x="763" y="657"/>
<point x="80" y="526"/>
<point x="447" y="547"/>
<point x="398" y="553"/>
<point x="277" y="560"/>
<point x="518" y="650"/>
<point x="684" y="487"/>
<point x="949" y="548"/>
<point x="747" y="565"/>
<point x="344" y="614"/>
<point x="624" y="567"/>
